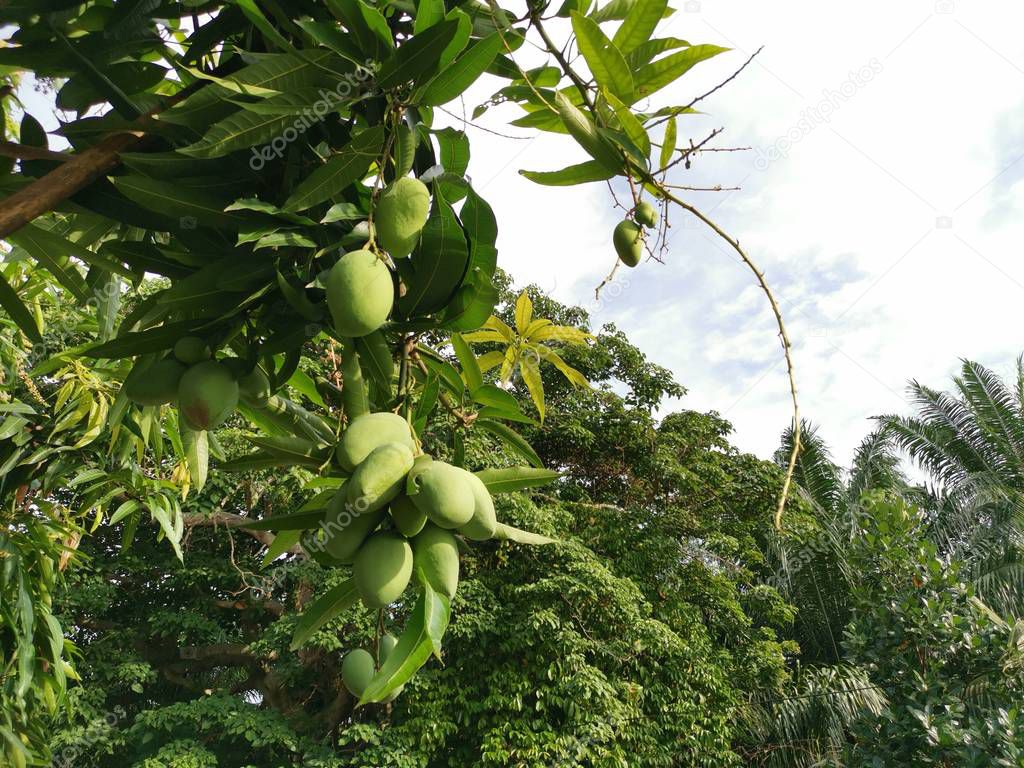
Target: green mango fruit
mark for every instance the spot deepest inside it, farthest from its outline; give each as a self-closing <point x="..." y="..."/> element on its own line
<point x="370" y="431"/>
<point x="254" y="388"/>
<point x="628" y="243"/>
<point x="379" y="478"/>
<point x="485" y="521"/>
<point x="154" y="384"/>
<point x="646" y="214"/>
<point x="435" y="553"/>
<point x="346" y="528"/>
<point x="402" y="210"/>
<point x="409" y="520"/>
<point x="382" y="569"/>
<point x="207" y="395"/>
<point x="357" y="670"/>
<point x="444" y="495"/>
<point x="191" y="350"/>
<point x="360" y="294"/>
<point x="387" y="645"/>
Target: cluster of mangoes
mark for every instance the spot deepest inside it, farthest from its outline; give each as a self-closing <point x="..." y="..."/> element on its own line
<point x="628" y="234"/>
<point x="360" y="291"/>
<point x="399" y="511"/>
<point x="206" y="390"/>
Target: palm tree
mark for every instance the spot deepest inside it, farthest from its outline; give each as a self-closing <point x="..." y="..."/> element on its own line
<point x="971" y="442"/>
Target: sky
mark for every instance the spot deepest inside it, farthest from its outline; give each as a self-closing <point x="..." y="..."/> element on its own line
<point x="881" y="196"/>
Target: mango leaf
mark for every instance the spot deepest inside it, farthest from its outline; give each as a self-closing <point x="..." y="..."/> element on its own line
<point x="140" y="342"/>
<point x="189" y="205"/>
<point x="470" y="370"/>
<point x="282" y="543"/>
<point x="582" y="128"/>
<point x="420" y="639"/>
<point x="375" y="358"/>
<point x="454" y="79"/>
<point x="18" y="312"/>
<point x="660" y="73"/>
<point x="668" y="143"/>
<point x="239" y="131"/>
<point x="511" y="479"/>
<point x="437" y="267"/>
<point x="296" y="521"/>
<point x="631" y="126"/>
<point x="581" y="173"/>
<point x="647" y="50"/>
<point x="197" y="455"/>
<point x="420" y="57"/>
<point x="366" y="24"/>
<point x="428" y="13"/>
<point x="509" y="533"/>
<point x="51" y="251"/>
<point x="512" y="439"/>
<point x="341" y="170"/>
<point x="639" y="24"/>
<point x="262" y="23"/>
<point x="606" y="62"/>
<point x="329" y="606"/>
<point x="529" y="369"/>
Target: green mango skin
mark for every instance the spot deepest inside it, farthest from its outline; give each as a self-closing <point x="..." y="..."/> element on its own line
<point x="445" y="496"/>
<point x="155" y="384"/>
<point x="387" y="645"/>
<point x="360" y="294"/>
<point x="646" y="214"/>
<point x="401" y="212"/>
<point x="357" y="670"/>
<point x="379" y="478"/>
<point x="485" y="521"/>
<point x="382" y="569"/>
<point x="408" y="519"/>
<point x="207" y="395"/>
<point x="436" y="553"/>
<point x="345" y="528"/>
<point x="370" y="431"/>
<point x="254" y="388"/>
<point x="191" y="350"/>
<point x="627" y="242"/>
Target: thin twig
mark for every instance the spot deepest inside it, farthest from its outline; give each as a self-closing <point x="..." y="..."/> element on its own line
<point x="481" y="128"/>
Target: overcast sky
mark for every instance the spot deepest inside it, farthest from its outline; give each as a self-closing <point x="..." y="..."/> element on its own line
<point x="881" y="197"/>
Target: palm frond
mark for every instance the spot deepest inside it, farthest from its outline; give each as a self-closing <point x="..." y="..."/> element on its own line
<point x="875" y="466"/>
<point x="815" y="472"/>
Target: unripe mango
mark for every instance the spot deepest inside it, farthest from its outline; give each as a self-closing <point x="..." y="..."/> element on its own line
<point x="370" y="431"/>
<point x="387" y="645"/>
<point x="646" y="214"/>
<point x="444" y="495"/>
<point x="254" y="388"/>
<point x="379" y="478"/>
<point x="191" y="350"/>
<point x="360" y="294"/>
<point x="408" y="519"/>
<point x="207" y="394"/>
<point x="484" y="521"/>
<point x="346" y="528"/>
<point x="357" y="670"/>
<point x="401" y="212"/>
<point x="382" y="569"/>
<point x="628" y="243"/>
<point x="436" y="553"/>
<point x="154" y="384"/>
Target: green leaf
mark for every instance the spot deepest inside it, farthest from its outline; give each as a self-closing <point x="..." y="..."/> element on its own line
<point x="296" y="521"/>
<point x="341" y="170"/>
<point x="581" y="173"/>
<point x="140" y="342"/>
<point x="428" y="13"/>
<point x="332" y="604"/>
<point x="454" y="79"/>
<point x="437" y="267"/>
<point x="375" y="358"/>
<point x="631" y="126"/>
<point x="606" y="62"/>
<point x="646" y="51"/>
<point x="261" y="22"/>
<point x="419" y="58"/>
<point x="51" y="253"/>
<point x="367" y="25"/>
<point x="512" y="479"/>
<point x="509" y="533"/>
<point x="512" y="439"/>
<point x="639" y="24"/>
<point x="239" y="131"/>
<point x="282" y="543"/>
<point x="657" y="75"/>
<point x="187" y="204"/>
<point x="470" y="370"/>
<point x="420" y="639"/>
<point x="668" y="143"/>
<point x="582" y="128"/>
<point x="197" y="454"/>
<point x="18" y="312"/>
